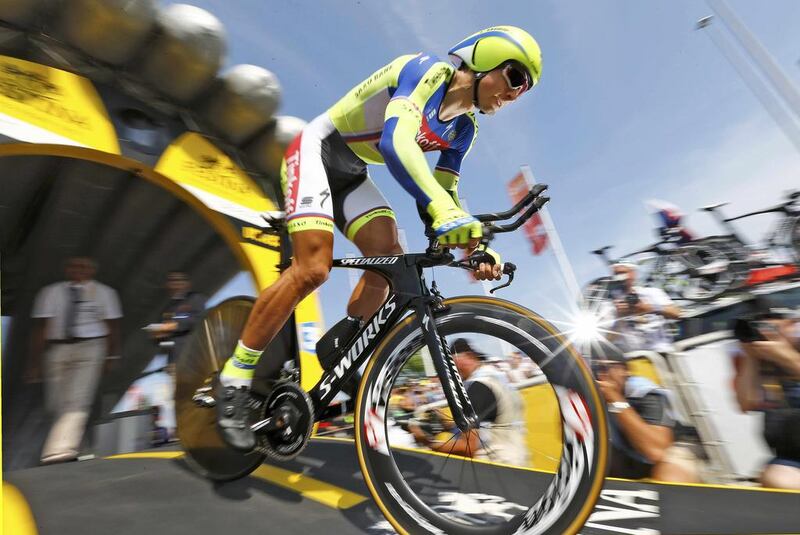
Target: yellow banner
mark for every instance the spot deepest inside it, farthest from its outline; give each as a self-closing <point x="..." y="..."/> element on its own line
<point x="195" y="162"/>
<point x="206" y="171"/>
<point x="308" y="318"/>
<point x="40" y="104"/>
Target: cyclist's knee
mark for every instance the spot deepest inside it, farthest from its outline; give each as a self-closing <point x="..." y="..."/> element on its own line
<point x="310" y="276"/>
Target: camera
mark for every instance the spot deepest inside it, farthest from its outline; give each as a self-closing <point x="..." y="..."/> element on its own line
<point x="618" y="289"/>
<point x="747" y="330"/>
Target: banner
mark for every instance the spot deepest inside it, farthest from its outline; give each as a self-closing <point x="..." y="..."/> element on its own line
<point x="534" y="228"/>
<point x="213" y="177"/>
<point x="41" y="104"/>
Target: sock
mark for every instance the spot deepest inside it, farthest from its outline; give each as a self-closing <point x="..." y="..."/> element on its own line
<point x="240" y="368"/>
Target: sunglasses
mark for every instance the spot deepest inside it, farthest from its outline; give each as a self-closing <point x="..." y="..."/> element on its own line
<point x="516" y="77"/>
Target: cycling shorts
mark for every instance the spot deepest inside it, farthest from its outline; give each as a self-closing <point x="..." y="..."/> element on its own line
<point x="325" y="184"/>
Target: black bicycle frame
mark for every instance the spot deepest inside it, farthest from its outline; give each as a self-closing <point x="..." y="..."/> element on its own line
<point x="408" y="291"/>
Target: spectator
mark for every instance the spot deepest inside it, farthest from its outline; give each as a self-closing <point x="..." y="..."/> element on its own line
<point x="159" y="435"/>
<point x="641" y="425"/>
<point x="769" y="354"/>
<point x="520" y="368"/>
<point x="76" y="329"/>
<point x="179" y="316"/>
<point x="640" y="313"/>
<point x="495" y="402"/>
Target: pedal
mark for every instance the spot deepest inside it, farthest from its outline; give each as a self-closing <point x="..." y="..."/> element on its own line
<point x="202" y="397"/>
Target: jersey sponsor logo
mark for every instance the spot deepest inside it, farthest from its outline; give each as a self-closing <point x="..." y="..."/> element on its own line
<point x="324" y="194"/>
<point x="436" y="77"/>
<point x="428" y="140"/>
<point x="369" y="333"/>
<point x="292" y="175"/>
<point x="371" y="261"/>
<point x="366" y="84"/>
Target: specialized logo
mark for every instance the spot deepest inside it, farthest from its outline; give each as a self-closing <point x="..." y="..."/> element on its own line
<point x="372" y="261"/>
<point x="370" y="332"/>
<point x="325" y="195"/>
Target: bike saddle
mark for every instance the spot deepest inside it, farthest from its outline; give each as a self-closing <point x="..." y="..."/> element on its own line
<point x="602" y="250"/>
<point x="712" y="207"/>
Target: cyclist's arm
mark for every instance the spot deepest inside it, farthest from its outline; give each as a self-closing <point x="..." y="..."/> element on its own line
<point x="398" y="144"/>
<point x="448" y="169"/>
<point x="650" y="432"/>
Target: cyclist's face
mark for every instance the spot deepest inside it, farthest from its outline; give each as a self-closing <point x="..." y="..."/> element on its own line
<point x="495" y="91"/>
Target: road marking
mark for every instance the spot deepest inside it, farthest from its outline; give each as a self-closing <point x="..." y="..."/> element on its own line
<point x="148" y="455"/>
<point x="306" y="486"/>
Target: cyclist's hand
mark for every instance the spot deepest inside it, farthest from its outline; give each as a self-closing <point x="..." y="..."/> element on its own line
<point x="454" y="227"/>
<point x="490" y="269"/>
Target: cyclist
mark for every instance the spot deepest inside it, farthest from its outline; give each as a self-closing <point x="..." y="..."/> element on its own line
<point x="416" y="103"/>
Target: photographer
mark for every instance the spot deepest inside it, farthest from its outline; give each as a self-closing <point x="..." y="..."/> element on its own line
<point x="178" y="317"/>
<point x="498" y="405"/>
<point x="641" y="312"/>
<point x="641" y="425"/>
<point x="768" y="379"/>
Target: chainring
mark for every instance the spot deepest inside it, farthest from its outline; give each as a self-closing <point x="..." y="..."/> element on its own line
<point x="286" y="443"/>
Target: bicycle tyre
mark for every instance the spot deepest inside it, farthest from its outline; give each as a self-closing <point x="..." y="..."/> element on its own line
<point x="572" y="493"/>
<point x="209" y="346"/>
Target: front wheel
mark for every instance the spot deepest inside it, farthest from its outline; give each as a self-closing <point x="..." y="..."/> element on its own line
<point x="537" y="463"/>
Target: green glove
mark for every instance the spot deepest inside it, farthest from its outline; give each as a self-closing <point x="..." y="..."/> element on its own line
<point x="452" y="225"/>
<point x="494" y="256"/>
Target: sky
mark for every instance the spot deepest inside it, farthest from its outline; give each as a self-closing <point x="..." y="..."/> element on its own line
<point x="634" y="103"/>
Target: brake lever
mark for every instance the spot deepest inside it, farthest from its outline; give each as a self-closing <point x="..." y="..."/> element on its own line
<point x="508" y="269"/>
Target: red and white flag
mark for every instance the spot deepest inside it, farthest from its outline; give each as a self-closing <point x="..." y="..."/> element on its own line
<point x="534" y="227"/>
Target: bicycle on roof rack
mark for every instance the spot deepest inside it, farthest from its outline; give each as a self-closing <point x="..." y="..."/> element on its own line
<point x="688" y="271"/>
<point x="709" y="267"/>
<point x="783" y="238"/>
<point x="417" y="490"/>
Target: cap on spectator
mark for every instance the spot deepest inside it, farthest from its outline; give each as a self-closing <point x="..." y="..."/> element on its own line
<point x="460" y="345"/>
<point x="626" y="264"/>
<point x="608" y="352"/>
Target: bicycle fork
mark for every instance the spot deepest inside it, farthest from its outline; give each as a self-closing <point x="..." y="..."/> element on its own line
<point x="464" y="414"/>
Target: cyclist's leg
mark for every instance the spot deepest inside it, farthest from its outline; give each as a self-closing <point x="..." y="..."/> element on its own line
<point x="310" y="223"/>
<point x="365" y="217"/>
<point x="309" y="218"/>
<point x="313" y="255"/>
<point x="378" y="237"/>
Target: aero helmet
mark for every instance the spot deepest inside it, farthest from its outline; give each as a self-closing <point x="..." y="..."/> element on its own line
<point x="493" y="47"/>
